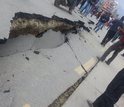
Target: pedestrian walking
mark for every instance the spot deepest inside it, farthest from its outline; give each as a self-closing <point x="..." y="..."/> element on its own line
<point x="112" y="94"/>
<point x="117" y="48"/>
<point x="112" y="31"/>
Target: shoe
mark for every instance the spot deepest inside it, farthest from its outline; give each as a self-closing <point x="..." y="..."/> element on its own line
<point x="99" y="59"/>
<point x="90" y="103"/>
<point x="108" y="63"/>
<point x="102" y="44"/>
<point x="70" y="11"/>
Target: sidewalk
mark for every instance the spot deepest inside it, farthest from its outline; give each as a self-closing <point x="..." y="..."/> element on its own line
<point x="95" y="84"/>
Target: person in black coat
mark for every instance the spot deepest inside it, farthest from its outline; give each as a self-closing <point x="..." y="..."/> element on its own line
<point x="113" y="30"/>
<point x="112" y="94"/>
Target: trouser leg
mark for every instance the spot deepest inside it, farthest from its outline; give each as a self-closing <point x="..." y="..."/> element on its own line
<point x="108" y="37"/>
<point x="84" y="6"/>
<point x="103" y="101"/>
<point x="107" y="52"/>
<point x="113" y="57"/>
<point x="99" y="25"/>
<point x="113" y="92"/>
<point x="102" y="26"/>
<point x="114" y="47"/>
<point x="87" y="10"/>
<point x="117" y="35"/>
<point x="105" y="38"/>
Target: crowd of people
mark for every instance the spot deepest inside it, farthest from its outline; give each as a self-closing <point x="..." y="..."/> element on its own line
<point x="115" y="26"/>
<point x="115" y="31"/>
<point x="86" y="6"/>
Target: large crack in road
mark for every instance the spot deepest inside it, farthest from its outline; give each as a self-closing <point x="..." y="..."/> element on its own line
<point x="60" y="101"/>
<point x="31" y="30"/>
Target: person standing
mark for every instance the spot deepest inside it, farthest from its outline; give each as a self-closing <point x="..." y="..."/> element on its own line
<point x="104" y="18"/>
<point x="117" y="48"/>
<point x="112" y="31"/>
<point x="112" y="94"/>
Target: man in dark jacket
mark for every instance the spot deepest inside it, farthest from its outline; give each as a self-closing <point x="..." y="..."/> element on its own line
<point x="117" y="48"/>
<point x="112" y="94"/>
<point x="104" y="18"/>
<point x="112" y="31"/>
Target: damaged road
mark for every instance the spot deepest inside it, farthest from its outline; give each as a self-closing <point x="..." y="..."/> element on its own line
<point x="35" y="24"/>
<point x="30" y="27"/>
